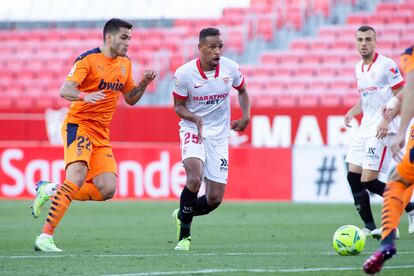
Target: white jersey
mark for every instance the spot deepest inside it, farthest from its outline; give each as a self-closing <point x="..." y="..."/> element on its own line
<point x="375" y="84"/>
<point x="207" y="94"/>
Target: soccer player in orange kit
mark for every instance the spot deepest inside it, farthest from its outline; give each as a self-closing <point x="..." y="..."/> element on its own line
<point x="94" y="84"/>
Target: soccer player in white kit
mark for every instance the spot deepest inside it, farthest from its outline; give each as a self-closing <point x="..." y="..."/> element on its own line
<point x="202" y="101"/>
<point x="368" y="158"/>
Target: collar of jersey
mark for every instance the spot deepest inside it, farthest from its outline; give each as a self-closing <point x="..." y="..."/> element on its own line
<point x="203" y="75"/>
<point x="373" y="60"/>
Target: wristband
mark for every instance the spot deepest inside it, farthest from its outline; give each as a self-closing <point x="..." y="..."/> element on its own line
<point x="81" y="96"/>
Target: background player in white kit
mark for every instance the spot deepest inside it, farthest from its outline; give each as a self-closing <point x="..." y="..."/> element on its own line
<point x="368" y="158"/>
<point x="202" y="101"/>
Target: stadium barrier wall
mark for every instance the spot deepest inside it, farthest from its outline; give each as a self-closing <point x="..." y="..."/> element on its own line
<point x="285" y="154"/>
<point x="269" y="127"/>
<point x="151" y="172"/>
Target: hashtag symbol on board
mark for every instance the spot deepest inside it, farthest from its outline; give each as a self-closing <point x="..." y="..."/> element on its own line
<point x="325" y="175"/>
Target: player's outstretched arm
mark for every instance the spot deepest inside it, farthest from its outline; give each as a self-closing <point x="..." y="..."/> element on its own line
<point x="244" y="101"/>
<point x="183" y="112"/>
<point x="133" y="96"/>
<point x="70" y="92"/>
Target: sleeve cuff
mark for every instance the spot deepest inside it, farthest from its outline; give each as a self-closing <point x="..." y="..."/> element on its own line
<point x="178" y="96"/>
<point x="398" y="85"/>
<point x="240" y="86"/>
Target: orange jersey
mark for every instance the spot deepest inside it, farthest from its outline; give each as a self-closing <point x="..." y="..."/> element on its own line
<point x="407" y="60"/>
<point x="406" y="167"/>
<point x="93" y="71"/>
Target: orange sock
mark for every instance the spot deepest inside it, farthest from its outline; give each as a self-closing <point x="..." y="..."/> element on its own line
<point x="408" y="194"/>
<point x="393" y="207"/>
<point x="88" y="191"/>
<point x="60" y="202"/>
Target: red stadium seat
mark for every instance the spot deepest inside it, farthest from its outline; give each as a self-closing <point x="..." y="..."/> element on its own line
<point x="361" y="18"/>
<point x="331" y="100"/>
<point x="308" y="100"/>
<point x="286" y="101"/>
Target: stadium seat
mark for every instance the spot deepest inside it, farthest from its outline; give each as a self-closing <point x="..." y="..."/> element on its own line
<point x="331" y="100"/>
<point x="308" y="100"/>
<point x="286" y="101"/>
<point x="361" y="18"/>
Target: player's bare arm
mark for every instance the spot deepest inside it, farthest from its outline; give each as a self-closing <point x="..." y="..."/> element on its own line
<point x="133" y="96"/>
<point x="70" y="92"/>
<point x="354" y="111"/>
<point x="183" y="112"/>
<point x="244" y="101"/>
<point x="407" y="112"/>
<point x="394" y="105"/>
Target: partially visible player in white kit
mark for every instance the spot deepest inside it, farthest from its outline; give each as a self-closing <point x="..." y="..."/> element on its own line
<point x="379" y="81"/>
<point x="202" y="101"/>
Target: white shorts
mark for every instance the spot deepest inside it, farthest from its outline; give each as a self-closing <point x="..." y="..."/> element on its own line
<point x="370" y="153"/>
<point x="214" y="153"/>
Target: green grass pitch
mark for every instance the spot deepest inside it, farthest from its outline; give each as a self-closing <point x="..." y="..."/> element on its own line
<point x="138" y="237"/>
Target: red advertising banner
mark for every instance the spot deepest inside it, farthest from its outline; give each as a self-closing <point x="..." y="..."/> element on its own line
<point x="269" y="127"/>
<point x="151" y="171"/>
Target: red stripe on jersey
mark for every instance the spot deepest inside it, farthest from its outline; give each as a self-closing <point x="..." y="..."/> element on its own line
<point x="382" y="158"/>
<point x="398" y="85"/>
<point x="217" y="71"/>
<point x="240" y="86"/>
<point x="369" y="67"/>
<point x="201" y="70"/>
<point x="178" y="96"/>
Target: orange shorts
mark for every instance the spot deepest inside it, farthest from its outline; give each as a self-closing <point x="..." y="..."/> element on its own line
<point x="406" y="167"/>
<point x="81" y="143"/>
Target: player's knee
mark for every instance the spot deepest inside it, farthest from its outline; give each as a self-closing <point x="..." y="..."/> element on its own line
<point x="214" y="201"/>
<point x="77" y="179"/>
<point x="108" y="191"/>
<point x="194" y="181"/>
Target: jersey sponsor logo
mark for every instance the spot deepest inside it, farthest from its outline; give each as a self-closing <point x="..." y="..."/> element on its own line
<point x="103" y="85"/>
<point x="395" y="70"/>
<point x="210" y="99"/>
<point x="367" y="89"/>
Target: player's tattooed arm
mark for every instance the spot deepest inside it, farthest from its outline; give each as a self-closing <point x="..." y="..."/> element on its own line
<point x="133" y="96"/>
<point x="70" y="92"/>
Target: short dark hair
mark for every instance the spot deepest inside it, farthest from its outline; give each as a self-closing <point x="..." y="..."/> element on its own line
<point x="366" y="28"/>
<point x="208" y="32"/>
<point x="113" y="25"/>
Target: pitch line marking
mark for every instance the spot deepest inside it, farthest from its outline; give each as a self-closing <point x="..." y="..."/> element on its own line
<point x="53" y="255"/>
<point x="257" y="270"/>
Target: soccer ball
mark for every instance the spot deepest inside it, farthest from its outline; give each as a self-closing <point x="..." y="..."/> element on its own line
<point x="348" y="240"/>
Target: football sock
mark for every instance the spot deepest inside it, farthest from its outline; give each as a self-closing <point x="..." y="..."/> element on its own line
<point x="188" y="200"/>
<point x="392" y="208"/>
<point x="202" y="207"/>
<point x="60" y="202"/>
<point x="375" y="186"/>
<point x="88" y="191"/>
<point x="407" y="197"/>
<point x="361" y="200"/>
